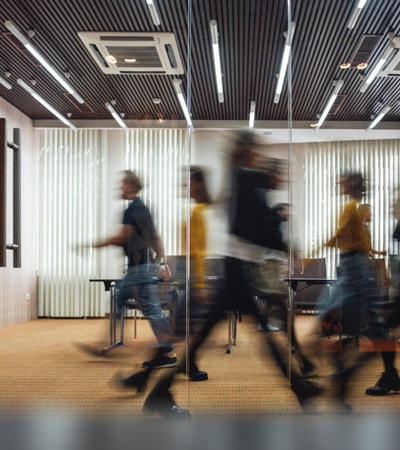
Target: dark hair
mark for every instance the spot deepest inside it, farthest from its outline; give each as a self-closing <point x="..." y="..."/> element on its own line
<point x="243" y="140"/>
<point x="355" y="183"/>
<point x="197" y="174"/>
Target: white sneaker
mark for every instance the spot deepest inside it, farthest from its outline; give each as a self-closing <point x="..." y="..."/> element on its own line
<point x="270" y="327"/>
<point x="267" y="327"/>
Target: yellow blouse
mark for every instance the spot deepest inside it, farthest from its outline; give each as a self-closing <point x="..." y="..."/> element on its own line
<point x="198" y="245"/>
<point x="351" y="233"/>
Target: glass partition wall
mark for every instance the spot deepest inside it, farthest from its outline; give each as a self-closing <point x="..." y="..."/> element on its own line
<point x="243" y="48"/>
<point x="245" y="198"/>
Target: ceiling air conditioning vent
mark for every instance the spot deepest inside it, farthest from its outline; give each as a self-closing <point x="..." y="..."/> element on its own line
<point x="392" y="68"/>
<point x="134" y="53"/>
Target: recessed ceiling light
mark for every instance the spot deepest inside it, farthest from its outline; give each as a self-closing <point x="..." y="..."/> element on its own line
<point x="362" y="66"/>
<point x="157" y="101"/>
<point x="130" y="60"/>
<point x="111" y="59"/>
<point x="313" y="125"/>
<point x="345" y="65"/>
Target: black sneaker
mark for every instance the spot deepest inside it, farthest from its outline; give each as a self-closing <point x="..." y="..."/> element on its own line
<point x="161" y="362"/>
<point x="164" y="404"/>
<point x="389" y="381"/>
<point x="197" y="375"/>
<point x="194" y="373"/>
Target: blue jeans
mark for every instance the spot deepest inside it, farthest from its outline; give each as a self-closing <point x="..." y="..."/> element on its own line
<point x="349" y="298"/>
<point x="140" y="283"/>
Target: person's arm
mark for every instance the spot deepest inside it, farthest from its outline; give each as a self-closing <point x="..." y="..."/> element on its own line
<point x="158" y="247"/>
<point x="118" y="239"/>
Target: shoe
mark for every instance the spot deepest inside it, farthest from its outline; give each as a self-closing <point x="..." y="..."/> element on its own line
<point x="389" y="381"/>
<point x="161" y="362"/>
<point x="305" y="390"/>
<point x="136" y="381"/>
<point x="197" y="375"/>
<point x="267" y="327"/>
<point x="270" y="327"/>
<point x="308" y="370"/>
<point x="164" y="405"/>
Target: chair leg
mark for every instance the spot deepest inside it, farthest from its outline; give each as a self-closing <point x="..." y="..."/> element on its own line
<point x="122" y="324"/>
<point x="135" y="323"/>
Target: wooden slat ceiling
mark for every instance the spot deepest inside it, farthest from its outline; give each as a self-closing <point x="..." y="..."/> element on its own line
<point x="251" y="34"/>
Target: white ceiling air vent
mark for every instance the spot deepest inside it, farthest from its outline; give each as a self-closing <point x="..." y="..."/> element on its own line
<point x="127" y="53"/>
<point x="392" y="68"/>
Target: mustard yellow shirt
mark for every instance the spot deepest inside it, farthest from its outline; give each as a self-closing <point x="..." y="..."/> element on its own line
<point x="198" y="245"/>
<point x="351" y="233"/>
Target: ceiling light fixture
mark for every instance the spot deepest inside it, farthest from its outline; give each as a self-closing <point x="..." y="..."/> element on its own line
<point x="252" y="114"/>
<point x="380" y="116"/>
<point x="153" y="12"/>
<point x="116" y="116"/>
<point x="15" y="31"/>
<point x="5" y="83"/>
<point x="356" y="12"/>
<point x="177" y="84"/>
<point x="217" y="59"/>
<point x="338" y="85"/>
<point x="111" y="59"/>
<point x="378" y="66"/>
<point x="45" y="104"/>
<point x="285" y="60"/>
<point x="345" y="66"/>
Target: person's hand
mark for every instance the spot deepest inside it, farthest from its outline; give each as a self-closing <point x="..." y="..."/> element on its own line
<point x="82" y="250"/>
<point x="165" y="272"/>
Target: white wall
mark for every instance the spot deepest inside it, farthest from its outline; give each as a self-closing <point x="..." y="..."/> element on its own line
<point x="18" y="283"/>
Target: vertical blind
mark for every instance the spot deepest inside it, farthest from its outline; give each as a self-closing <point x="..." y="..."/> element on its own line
<point x="71" y="166"/>
<point x="160" y="157"/>
<point x="72" y="203"/>
<point x="378" y="161"/>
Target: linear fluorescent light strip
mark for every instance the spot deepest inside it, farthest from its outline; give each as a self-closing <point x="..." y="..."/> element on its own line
<point x="338" y="86"/>
<point x="45" y="104"/>
<point x="14" y="30"/>
<point x="252" y="114"/>
<point x="217" y="59"/>
<point x="153" y="12"/>
<point x="356" y="13"/>
<point x="380" y="116"/>
<point x="116" y="116"/>
<point x="284" y="62"/>
<point x="370" y="78"/>
<point x="5" y="83"/>
<point x="177" y="84"/>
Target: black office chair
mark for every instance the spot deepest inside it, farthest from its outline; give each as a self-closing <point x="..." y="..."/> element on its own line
<point x="308" y="296"/>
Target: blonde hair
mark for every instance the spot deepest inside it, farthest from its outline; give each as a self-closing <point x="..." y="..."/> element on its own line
<point x="132" y="178"/>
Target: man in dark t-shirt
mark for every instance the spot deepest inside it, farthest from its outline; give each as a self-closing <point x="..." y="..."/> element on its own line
<point x="146" y="262"/>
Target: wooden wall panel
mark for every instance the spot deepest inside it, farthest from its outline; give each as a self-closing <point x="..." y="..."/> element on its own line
<point x="18" y="286"/>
